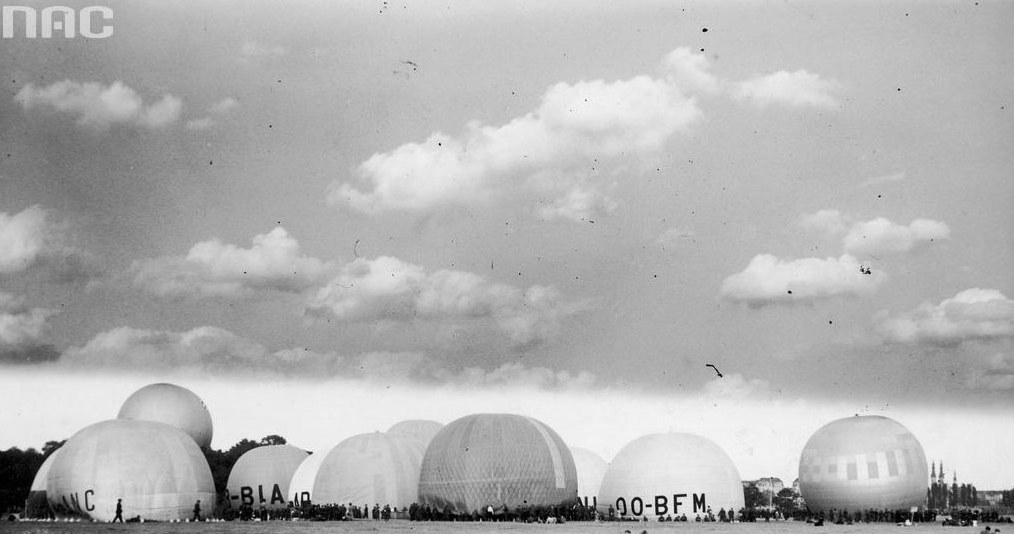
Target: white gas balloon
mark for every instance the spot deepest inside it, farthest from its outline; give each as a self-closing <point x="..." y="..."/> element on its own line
<point x="173" y="405"/>
<point x="591" y="469"/>
<point x="301" y="485"/>
<point x="154" y="469"/>
<point x="421" y="429"/>
<point x="261" y="476"/>
<point x="377" y="468"/>
<point x="37" y="505"/>
<point x="499" y="460"/>
<point x="670" y="474"/>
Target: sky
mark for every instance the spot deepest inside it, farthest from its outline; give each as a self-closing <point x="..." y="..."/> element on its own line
<point x="325" y="217"/>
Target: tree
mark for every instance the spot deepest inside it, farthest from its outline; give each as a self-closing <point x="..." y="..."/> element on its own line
<point x="17" y="471"/>
<point x="273" y="440"/>
<point x="753" y="497"/>
<point x="221" y="462"/>
<point x="785" y="501"/>
<point x="51" y="446"/>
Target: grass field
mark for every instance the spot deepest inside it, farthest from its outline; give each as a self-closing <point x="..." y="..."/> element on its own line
<point x="283" y="527"/>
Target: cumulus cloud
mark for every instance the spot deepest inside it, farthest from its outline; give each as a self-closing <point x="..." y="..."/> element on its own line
<point x="216" y="269"/>
<point x="21" y="327"/>
<point x="581" y="203"/>
<point x="735" y="387"/>
<point x="389" y="289"/>
<point x="218" y="109"/>
<point x="560" y="151"/>
<point x="31" y="238"/>
<point x="518" y="375"/>
<point x="770" y="280"/>
<point x="878" y="236"/>
<point x="690" y="72"/>
<point x="205" y="349"/>
<point x="214" y="350"/>
<point x="997" y="374"/>
<point x="99" y="106"/>
<point x="973" y="314"/>
<point x="875" y="236"/>
<point x="24" y="237"/>
<point x="793" y="89"/>
<point x="224" y="106"/>
<point x="830" y="222"/>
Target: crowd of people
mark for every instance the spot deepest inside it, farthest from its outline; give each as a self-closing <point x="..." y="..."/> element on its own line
<point x="417" y="512"/>
<point x="578" y="512"/>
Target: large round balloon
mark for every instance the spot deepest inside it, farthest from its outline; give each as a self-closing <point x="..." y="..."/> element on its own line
<point x="37" y="505"/>
<point x="155" y="469"/>
<point x="591" y="468"/>
<point x="301" y="485"/>
<point x="420" y="429"/>
<point x="173" y="405"/>
<point x="498" y="460"/>
<point x="371" y="469"/>
<point x="863" y="462"/>
<point x="261" y="476"/>
<point x="670" y="474"/>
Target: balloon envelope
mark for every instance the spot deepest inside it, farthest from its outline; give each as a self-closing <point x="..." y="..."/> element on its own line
<point x="591" y="469"/>
<point x="173" y="405"/>
<point x="498" y="460"/>
<point x="420" y="429"/>
<point x="301" y="485"/>
<point x="670" y="474"/>
<point x="37" y="506"/>
<point x="261" y="476"/>
<point x="863" y="462"/>
<point x="371" y="469"/>
<point x="156" y="469"/>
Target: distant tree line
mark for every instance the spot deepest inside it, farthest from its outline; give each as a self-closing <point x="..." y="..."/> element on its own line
<point x="18" y="468"/>
<point x="17" y="471"/>
<point x="942" y="497"/>
<point x="786" y="501"/>
<point x="1007" y="498"/>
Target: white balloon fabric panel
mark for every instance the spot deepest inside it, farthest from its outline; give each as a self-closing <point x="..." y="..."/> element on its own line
<point x="858" y="463"/>
<point x="671" y="474"/>
<point x="420" y="429"/>
<point x="371" y="469"/>
<point x="173" y="405"/>
<point x="301" y="485"/>
<point x="261" y="477"/>
<point x="157" y="470"/>
<point x="591" y="469"/>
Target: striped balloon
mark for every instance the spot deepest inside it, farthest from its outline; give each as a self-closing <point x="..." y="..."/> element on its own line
<point x="863" y="462"/>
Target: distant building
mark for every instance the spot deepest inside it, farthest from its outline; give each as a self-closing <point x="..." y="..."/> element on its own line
<point x="770" y="485"/>
<point x="989" y="498"/>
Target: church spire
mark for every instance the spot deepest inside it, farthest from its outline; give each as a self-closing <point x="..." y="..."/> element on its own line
<point x="933" y="474"/>
<point x="941" y="479"/>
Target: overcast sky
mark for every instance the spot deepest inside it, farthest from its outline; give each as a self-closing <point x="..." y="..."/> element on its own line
<point x="327" y="218"/>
